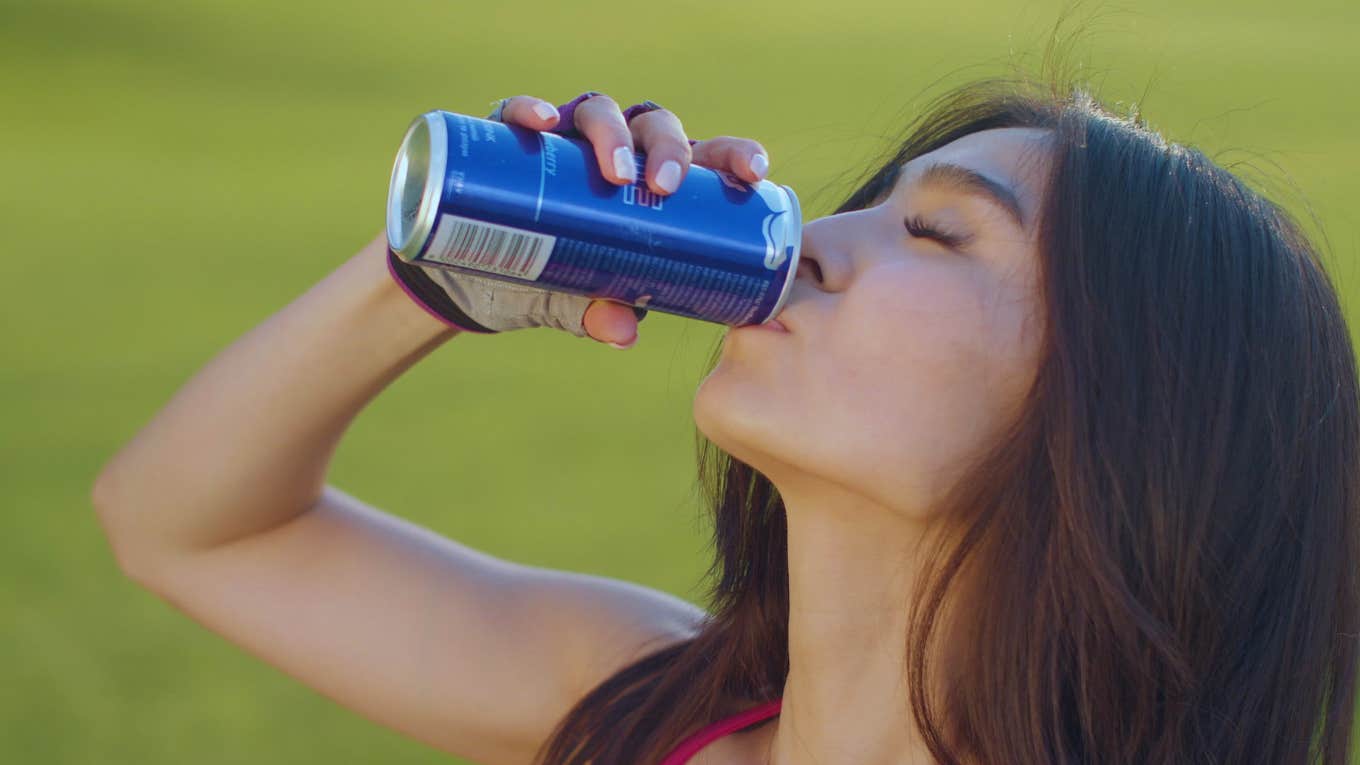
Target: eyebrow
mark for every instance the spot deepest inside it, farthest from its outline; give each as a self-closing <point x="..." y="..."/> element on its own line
<point x="968" y="181"/>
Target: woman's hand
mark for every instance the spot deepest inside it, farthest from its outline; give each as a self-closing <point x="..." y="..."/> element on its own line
<point x="659" y="135"/>
<point x="484" y="305"/>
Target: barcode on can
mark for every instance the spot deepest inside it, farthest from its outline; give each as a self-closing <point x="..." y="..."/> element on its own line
<point x="491" y="247"/>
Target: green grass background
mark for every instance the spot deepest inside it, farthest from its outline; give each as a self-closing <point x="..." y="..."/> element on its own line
<point x="174" y="172"/>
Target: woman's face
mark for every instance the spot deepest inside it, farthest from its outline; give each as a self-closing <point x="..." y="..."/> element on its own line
<point x="904" y="354"/>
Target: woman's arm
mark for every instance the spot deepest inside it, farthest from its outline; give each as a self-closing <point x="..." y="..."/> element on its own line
<point x="244" y="446"/>
<point x="219" y="507"/>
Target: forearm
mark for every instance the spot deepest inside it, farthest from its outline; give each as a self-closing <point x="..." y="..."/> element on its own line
<point x="244" y="446"/>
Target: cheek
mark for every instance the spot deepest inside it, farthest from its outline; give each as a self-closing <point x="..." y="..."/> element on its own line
<point x="1013" y="323"/>
<point x="915" y="329"/>
<point x="947" y="327"/>
<point x="933" y="357"/>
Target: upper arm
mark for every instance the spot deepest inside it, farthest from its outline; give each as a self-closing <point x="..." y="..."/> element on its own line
<point x="466" y="652"/>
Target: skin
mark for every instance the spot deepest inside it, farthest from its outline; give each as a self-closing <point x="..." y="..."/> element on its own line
<point x="903" y="358"/>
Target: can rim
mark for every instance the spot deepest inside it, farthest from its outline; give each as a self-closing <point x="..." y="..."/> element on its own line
<point x="792" y="274"/>
<point x="417" y="181"/>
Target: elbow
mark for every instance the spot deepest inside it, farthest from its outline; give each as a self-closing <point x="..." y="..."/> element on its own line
<point x="110" y="512"/>
<point x="102" y="498"/>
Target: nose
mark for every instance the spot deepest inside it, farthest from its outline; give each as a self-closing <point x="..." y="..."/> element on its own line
<point x="807" y="265"/>
<point x="824" y="258"/>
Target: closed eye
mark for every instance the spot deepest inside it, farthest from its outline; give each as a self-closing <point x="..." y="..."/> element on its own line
<point x="921" y="230"/>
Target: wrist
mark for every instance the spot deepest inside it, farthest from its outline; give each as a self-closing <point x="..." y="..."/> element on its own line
<point x="392" y="297"/>
<point x="422" y="290"/>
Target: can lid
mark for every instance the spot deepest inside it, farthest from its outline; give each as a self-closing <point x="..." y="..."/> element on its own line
<point x="417" y="182"/>
<point x="792" y="242"/>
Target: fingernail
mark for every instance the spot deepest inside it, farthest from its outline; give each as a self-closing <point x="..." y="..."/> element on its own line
<point x="668" y="177"/>
<point x="544" y="110"/>
<point x="759" y="164"/>
<point x="624" y="165"/>
<point x="624" y="347"/>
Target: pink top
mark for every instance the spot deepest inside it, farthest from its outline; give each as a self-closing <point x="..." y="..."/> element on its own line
<point x="691" y="746"/>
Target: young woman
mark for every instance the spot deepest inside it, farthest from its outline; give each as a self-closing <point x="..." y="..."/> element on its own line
<point x="1055" y="462"/>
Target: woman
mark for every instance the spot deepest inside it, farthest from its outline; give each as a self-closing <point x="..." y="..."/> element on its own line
<point x="1055" y="463"/>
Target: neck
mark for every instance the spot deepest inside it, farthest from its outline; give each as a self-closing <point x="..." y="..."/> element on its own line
<point x="852" y="567"/>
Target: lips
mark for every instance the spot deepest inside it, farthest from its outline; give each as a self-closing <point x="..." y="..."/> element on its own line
<point x="771" y="325"/>
<point x="783" y="320"/>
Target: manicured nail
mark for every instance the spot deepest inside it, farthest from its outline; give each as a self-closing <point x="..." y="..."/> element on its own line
<point x="624" y="165"/>
<point x="622" y="347"/>
<point x="545" y="111"/>
<point x="668" y="177"/>
<point x="759" y="164"/>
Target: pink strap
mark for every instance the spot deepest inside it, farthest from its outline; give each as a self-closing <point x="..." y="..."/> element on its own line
<point x="691" y="746"/>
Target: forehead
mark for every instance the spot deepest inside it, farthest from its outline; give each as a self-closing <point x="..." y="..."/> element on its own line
<point x="1016" y="157"/>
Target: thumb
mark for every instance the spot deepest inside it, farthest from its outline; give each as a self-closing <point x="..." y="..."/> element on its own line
<point x="610" y="321"/>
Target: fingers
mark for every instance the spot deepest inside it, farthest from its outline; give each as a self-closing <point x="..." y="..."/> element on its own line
<point x="610" y="321"/>
<point x="742" y="157"/>
<point x="530" y="112"/>
<point x="657" y="133"/>
<point x="662" y="138"/>
<point x="598" y="118"/>
<point x="600" y="121"/>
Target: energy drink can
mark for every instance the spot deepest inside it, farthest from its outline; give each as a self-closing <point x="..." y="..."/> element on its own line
<point x="512" y="203"/>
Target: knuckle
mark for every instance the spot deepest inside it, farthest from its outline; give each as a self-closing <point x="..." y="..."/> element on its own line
<point x="657" y="115"/>
<point x="661" y="133"/>
<point x="601" y="101"/>
<point x="675" y="147"/>
<point x="722" y="148"/>
<point x="603" y="120"/>
<point x="516" y="107"/>
<point x="661" y="123"/>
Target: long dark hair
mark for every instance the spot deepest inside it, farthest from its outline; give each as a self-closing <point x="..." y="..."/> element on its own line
<point x="1161" y="549"/>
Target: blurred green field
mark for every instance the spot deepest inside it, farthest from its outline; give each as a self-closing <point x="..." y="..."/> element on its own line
<point x="176" y="172"/>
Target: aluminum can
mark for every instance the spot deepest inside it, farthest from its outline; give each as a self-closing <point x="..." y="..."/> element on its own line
<point x="512" y="203"/>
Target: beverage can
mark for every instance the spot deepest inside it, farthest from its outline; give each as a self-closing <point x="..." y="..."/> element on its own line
<point x="511" y="203"/>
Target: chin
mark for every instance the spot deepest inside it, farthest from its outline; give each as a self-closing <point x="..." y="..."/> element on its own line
<point x="707" y="406"/>
<point x="736" y="418"/>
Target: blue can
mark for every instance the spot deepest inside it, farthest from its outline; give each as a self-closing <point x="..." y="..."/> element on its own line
<point x="512" y="203"/>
